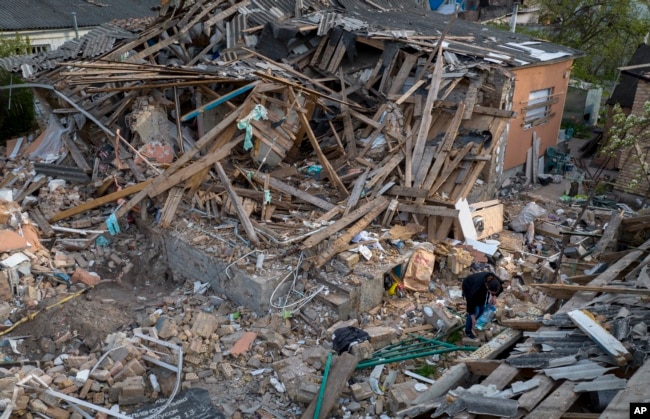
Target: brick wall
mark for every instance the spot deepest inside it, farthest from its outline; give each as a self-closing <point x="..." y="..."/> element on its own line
<point x="628" y="163"/>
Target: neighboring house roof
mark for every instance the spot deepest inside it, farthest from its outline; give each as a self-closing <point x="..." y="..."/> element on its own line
<point x="21" y="15"/>
<point x="625" y="90"/>
<point x="96" y="42"/>
<point x="513" y="49"/>
<point x="392" y="18"/>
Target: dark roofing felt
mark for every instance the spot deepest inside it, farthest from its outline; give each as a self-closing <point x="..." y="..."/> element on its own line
<point x="625" y="90"/>
<point x="515" y="49"/>
<point x="18" y="15"/>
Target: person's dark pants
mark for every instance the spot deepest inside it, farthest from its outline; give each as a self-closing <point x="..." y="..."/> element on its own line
<point x="468" y="321"/>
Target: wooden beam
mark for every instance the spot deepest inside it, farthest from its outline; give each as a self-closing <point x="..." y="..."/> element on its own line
<point x="342" y="370"/>
<point x="531" y="398"/>
<point x="608" y="235"/>
<point x="185" y="158"/>
<point x="38" y="217"/>
<point x="234" y="198"/>
<point x="331" y="173"/>
<point x="286" y="188"/>
<point x="562" y="290"/>
<point x="76" y="154"/>
<point x="427" y="210"/>
<point x="558" y="402"/>
<point x="425" y="122"/>
<point x="353" y="200"/>
<point x="443" y="151"/>
<point x="86" y="206"/>
<point x="160" y="185"/>
<point x="340" y="224"/>
<point x="168" y="212"/>
<point x="379" y="205"/>
<point x="635" y="392"/>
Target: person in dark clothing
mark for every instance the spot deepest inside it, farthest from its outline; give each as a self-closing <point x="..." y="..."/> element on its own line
<point x="479" y="289"/>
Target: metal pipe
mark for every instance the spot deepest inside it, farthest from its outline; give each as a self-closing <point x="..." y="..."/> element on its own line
<point x="323" y="385"/>
<point x="76" y="27"/>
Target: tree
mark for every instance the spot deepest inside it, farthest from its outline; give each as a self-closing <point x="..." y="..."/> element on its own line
<point x="631" y="134"/>
<point x="17" y="114"/>
<point x="608" y="31"/>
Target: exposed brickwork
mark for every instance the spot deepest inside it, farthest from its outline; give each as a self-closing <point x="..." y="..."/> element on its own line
<point x="627" y="162"/>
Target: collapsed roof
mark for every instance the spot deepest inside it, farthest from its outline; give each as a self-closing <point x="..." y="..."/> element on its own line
<point x="276" y="94"/>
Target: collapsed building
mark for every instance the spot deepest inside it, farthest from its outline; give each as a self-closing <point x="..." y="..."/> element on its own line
<point x="278" y="153"/>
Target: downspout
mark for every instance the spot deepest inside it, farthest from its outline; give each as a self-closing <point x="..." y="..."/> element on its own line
<point x="513" y="20"/>
<point x="76" y="28"/>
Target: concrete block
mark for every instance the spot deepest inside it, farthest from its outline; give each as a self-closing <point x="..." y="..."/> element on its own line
<point x="401" y="395"/>
<point x="133" y="368"/>
<point x="361" y="391"/>
<point x="381" y="336"/>
<point x="349" y="259"/>
<point x="272" y="339"/>
<point x="188" y="261"/>
<point x="362" y="350"/>
<point x="166" y="327"/>
<point x="204" y="324"/>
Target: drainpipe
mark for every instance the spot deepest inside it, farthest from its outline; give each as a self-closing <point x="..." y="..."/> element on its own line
<point x="513" y="21"/>
<point x="76" y="28"/>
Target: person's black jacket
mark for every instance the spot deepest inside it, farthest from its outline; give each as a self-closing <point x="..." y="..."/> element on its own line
<point x="475" y="291"/>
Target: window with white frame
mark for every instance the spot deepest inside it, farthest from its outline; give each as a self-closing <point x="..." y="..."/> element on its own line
<point x="40" y="48"/>
<point x="538" y="110"/>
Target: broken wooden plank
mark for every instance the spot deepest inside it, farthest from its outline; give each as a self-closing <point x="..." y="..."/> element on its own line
<point x="425" y="122"/>
<point x="608" y="343"/>
<point x="444" y="149"/>
<point x="357" y="189"/>
<point x="185" y="158"/>
<point x="558" y="402"/>
<point x="608" y="235"/>
<point x="86" y="206"/>
<point x="42" y="223"/>
<point x="76" y="154"/>
<point x="30" y="188"/>
<point x="635" y="391"/>
<point x="531" y="398"/>
<point x="342" y="370"/>
<point x="331" y="173"/>
<point x="427" y="210"/>
<point x="564" y="290"/>
<point x="378" y="206"/>
<point x="529" y="325"/>
<point x="449" y="167"/>
<point x="340" y="224"/>
<point x="288" y="189"/>
<point x="241" y="213"/>
<point x="580" y="299"/>
<point x="162" y="183"/>
<point x="171" y="205"/>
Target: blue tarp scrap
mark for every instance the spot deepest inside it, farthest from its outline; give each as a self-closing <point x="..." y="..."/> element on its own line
<point x="113" y="225"/>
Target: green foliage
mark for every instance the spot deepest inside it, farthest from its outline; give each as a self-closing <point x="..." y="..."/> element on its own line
<point x="631" y="132"/>
<point x="427" y="370"/>
<point x="14" y="46"/>
<point x="607" y="31"/>
<point x="579" y="128"/>
<point x="17" y="116"/>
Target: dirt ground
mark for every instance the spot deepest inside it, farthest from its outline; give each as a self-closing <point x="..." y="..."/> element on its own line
<point x="109" y="307"/>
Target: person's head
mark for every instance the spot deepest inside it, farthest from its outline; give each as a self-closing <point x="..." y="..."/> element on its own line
<point x="493" y="285"/>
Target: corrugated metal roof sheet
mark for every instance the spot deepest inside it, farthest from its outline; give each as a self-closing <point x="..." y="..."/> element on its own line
<point x="16" y="15"/>
<point x="583" y="370"/>
<point x="514" y="49"/>
<point x="94" y="43"/>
